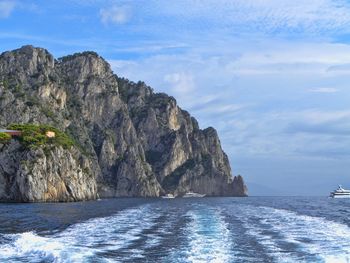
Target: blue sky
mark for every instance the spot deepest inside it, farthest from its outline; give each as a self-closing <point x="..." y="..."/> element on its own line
<point x="272" y="76"/>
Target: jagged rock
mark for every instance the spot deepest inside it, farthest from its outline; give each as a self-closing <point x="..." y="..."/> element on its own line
<point x="137" y="142"/>
<point x="47" y="174"/>
<point x="182" y="156"/>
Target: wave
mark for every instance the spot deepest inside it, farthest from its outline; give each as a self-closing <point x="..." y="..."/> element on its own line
<point x="187" y="233"/>
<point x="87" y="241"/>
<point x="207" y="238"/>
<point x="291" y="237"/>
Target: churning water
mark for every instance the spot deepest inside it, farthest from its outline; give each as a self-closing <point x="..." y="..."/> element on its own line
<point x="266" y="229"/>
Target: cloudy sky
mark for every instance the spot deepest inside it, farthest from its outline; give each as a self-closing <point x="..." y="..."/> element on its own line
<point x="272" y="76"/>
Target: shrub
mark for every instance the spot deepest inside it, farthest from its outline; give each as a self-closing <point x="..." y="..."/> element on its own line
<point x="48" y="112"/>
<point x="35" y="135"/>
<point x="4" y="137"/>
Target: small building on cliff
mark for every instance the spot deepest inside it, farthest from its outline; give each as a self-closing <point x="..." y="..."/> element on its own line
<point x="11" y="132"/>
<point x="50" y="134"/>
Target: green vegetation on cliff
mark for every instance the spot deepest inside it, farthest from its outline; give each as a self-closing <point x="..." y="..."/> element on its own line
<point x="4" y="137"/>
<point x="35" y="135"/>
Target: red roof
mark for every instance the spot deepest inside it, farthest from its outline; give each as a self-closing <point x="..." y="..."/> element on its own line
<point x="11" y="132"/>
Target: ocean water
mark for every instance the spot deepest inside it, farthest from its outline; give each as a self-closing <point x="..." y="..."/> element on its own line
<point x="265" y="229"/>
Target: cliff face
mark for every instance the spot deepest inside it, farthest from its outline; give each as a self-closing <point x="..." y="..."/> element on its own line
<point x="136" y="142"/>
<point x="49" y="174"/>
<point x="182" y="156"/>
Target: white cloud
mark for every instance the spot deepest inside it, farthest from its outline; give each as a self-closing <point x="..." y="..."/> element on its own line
<point x="340" y="69"/>
<point x="218" y="109"/>
<point x="115" y="14"/>
<point x="323" y="90"/>
<point x="313" y="16"/>
<point x="121" y="64"/>
<point x="301" y="134"/>
<point x="321" y="116"/>
<point x="6" y="8"/>
<point x="296" y="57"/>
<point x="181" y="82"/>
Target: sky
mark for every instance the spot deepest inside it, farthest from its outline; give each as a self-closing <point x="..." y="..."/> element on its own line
<point x="272" y="76"/>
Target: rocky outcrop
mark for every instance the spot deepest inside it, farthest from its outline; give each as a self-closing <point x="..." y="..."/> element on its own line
<point x="46" y="174"/>
<point x="137" y="142"/>
<point x="183" y="157"/>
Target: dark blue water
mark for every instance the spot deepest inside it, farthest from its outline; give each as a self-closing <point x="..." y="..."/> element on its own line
<point x="265" y="229"/>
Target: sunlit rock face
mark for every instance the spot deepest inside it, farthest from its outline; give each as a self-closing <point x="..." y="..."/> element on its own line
<point x="45" y="174"/>
<point x="183" y="157"/>
<point x="132" y="141"/>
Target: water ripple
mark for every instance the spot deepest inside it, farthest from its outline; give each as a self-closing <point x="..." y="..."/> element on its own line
<point x="188" y="231"/>
<point x="290" y="237"/>
<point x="84" y="241"/>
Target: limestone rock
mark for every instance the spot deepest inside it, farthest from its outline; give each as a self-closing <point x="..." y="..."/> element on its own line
<point x="134" y="142"/>
<point x="49" y="174"/>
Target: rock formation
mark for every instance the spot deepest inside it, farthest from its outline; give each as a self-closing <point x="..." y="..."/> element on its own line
<point x="129" y="141"/>
<point x="46" y="175"/>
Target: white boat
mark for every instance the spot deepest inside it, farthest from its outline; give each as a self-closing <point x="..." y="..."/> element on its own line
<point x="340" y="193"/>
<point x="191" y="194"/>
<point x="168" y="196"/>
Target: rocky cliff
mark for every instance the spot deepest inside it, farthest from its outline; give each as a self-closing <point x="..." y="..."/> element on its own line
<point x="129" y="141"/>
<point x="44" y="174"/>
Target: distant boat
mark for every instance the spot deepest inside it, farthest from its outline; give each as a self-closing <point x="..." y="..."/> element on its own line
<point x="168" y="196"/>
<point x="340" y="193"/>
<point x="191" y="194"/>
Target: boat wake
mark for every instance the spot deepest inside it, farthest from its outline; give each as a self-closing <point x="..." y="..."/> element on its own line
<point x="99" y="239"/>
<point x="290" y="237"/>
<point x="206" y="238"/>
<point x="188" y="232"/>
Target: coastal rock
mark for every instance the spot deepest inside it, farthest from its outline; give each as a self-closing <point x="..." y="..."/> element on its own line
<point x="50" y="174"/>
<point x="137" y="142"/>
<point x="183" y="157"/>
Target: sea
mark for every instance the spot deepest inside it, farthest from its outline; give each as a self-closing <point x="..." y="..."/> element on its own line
<point x="252" y="229"/>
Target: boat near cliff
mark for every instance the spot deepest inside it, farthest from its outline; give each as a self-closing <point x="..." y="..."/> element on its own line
<point x="192" y="194"/>
<point x="168" y="196"/>
<point x="340" y="193"/>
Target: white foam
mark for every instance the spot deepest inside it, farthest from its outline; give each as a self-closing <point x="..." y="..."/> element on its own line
<point x="325" y="240"/>
<point x="206" y="237"/>
<point x="209" y="238"/>
<point x="82" y="241"/>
